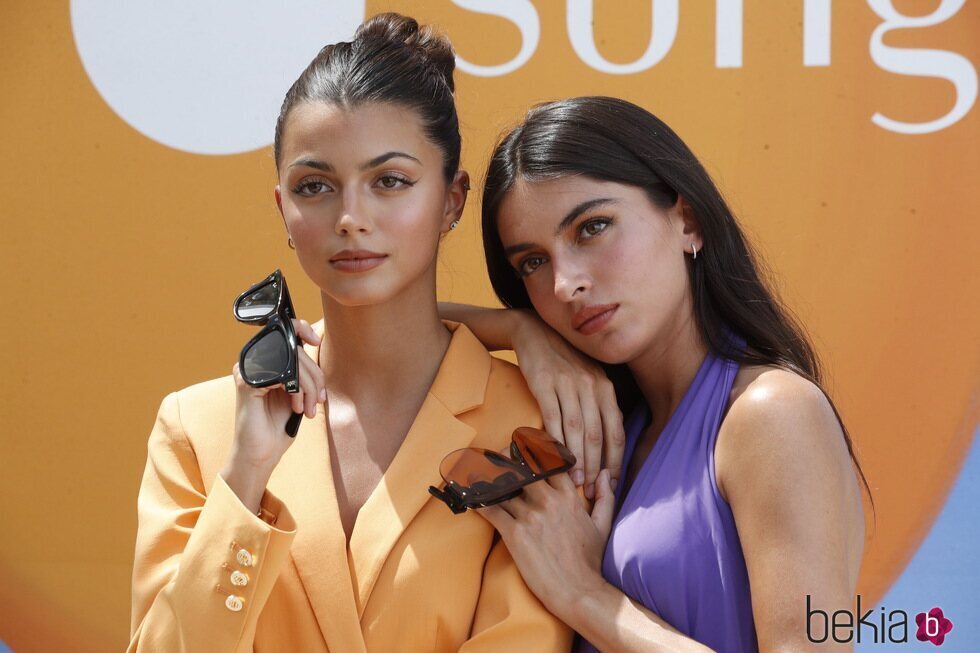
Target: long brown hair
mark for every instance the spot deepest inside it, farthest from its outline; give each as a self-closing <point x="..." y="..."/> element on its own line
<point x="609" y="139"/>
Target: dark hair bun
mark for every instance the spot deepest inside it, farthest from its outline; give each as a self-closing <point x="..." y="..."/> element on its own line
<point x="398" y="29"/>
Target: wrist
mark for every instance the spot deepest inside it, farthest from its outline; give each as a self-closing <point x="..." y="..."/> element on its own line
<point x="247" y="480"/>
<point x="581" y="605"/>
<point x="519" y="322"/>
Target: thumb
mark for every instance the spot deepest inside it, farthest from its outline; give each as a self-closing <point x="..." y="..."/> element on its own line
<point x="605" y="504"/>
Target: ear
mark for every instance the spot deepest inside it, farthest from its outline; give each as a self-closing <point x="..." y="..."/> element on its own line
<point x="691" y="228"/>
<point x="456" y="199"/>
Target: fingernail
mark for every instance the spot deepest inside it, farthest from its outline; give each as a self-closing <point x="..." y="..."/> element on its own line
<point x="613" y="483"/>
<point x="323" y="394"/>
<point x="578" y="477"/>
<point x="590" y="491"/>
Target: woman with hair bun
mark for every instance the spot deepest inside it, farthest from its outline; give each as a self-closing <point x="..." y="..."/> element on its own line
<point x="250" y="540"/>
<point x="739" y="501"/>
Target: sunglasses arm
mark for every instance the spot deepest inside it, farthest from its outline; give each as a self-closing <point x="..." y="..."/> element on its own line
<point x="450" y="497"/>
<point x="292" y="424"/>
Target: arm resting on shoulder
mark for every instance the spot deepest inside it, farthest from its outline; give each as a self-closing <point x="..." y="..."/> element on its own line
<point x="494" y="327"/>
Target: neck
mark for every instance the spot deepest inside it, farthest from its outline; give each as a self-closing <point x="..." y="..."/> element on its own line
<point x="382" y="352"/>
<point x="666" y="368"/>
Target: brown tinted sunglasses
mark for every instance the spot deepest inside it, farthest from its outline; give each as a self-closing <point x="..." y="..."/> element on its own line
<point x="476" y="478"/>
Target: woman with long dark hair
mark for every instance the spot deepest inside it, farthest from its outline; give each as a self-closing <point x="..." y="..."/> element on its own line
<point x="739" y="501"/>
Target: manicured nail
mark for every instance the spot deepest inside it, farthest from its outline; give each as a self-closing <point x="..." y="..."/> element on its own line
<point x="613" y="483"/>
<point x="578" y="477"/>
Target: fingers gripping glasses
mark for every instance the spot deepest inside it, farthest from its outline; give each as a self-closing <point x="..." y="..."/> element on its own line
<point x="475" y="478"/>
<point x="270" y="358"/>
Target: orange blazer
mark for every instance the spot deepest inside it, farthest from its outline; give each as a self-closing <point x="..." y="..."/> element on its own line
<point x="209" y="575"/>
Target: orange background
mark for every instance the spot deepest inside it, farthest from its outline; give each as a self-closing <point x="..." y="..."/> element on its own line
<point x="121" y="258"/>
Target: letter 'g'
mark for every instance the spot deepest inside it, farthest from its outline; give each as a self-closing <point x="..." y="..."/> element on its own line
<point x="922" y="62"/>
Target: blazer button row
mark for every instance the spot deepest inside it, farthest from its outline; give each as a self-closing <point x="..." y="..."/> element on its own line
<point x="238" y="578"/>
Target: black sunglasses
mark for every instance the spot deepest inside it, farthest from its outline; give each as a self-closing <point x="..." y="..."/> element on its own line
<point x="476" y="478"/>
<point x="270" y="358"/>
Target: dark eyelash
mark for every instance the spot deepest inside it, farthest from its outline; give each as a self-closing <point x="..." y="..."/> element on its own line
<point x="304" y="185"/>
<point x="519" y="270"/>
<point x="593" y="220"/>
<point x="404" y="180"/>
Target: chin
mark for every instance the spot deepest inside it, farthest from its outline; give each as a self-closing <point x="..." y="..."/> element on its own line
<point x="354" y="299"/>
<point x="606" y="348"/>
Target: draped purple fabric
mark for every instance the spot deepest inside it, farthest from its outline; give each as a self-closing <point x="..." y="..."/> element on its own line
<point x="674" y="547"/>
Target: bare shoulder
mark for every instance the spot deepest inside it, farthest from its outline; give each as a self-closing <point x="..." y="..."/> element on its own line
<point x="779" y="421"/>
<point x="782" y="464"/>
<point x="769" y="396"/>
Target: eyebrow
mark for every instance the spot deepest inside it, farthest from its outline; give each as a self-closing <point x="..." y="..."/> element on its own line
<point x="569" y="218"/>
<point x="387" y="156"/>
<point x="376" y="161"/>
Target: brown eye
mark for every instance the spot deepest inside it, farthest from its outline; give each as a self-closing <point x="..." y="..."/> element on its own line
<point x="593" y="227"/>
<point x="391" y="182"/>
<point x="529" y="265"/>
<point x="310" y="188"/>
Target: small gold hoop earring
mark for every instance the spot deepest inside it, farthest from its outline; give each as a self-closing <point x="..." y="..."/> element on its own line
<point x="290" y="243"/>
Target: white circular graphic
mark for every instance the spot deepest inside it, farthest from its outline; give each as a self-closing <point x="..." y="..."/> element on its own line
<point x="204" y="76"/>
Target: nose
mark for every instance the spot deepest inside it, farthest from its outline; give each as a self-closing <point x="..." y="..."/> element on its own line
<point x="570" y="280"/>
<point x="353" y="217"/>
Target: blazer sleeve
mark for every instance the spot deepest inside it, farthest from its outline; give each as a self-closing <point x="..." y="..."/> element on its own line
<point x="188" y="545"/>
<point x="508" y="615"/>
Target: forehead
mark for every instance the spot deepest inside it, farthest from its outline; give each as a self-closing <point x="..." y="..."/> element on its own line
<point x="541" y="205"/>
<point x="334" y="133"/>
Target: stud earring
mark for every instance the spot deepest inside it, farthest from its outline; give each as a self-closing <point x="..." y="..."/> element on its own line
<point x="453" y="225"/>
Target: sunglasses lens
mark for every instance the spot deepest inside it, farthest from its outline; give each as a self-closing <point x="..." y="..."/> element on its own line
<point x="266" y="359"/>
<point x="482" y="475"/>
<point x="259" y="303"/>
<point x="541" y="452"/>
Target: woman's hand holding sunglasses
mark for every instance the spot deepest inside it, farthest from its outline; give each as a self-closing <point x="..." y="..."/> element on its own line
<point x="276" y="384"/>
<point x="260" y="413"/>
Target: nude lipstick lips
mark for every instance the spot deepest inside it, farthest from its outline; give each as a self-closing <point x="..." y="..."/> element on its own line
<point x="357" y="260"/>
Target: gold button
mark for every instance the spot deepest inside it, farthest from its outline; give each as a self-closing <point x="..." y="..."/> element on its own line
<point x="239" y="578"/>
<point x="244" y="558"/>
<point x="234" y="603"/>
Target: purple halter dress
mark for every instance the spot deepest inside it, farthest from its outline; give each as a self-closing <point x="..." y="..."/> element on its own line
<point x="674" y="547"/>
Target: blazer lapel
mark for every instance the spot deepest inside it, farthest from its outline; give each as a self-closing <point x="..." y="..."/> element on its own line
<point x="304" y="482"/>
<point x="459" y="386"/>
